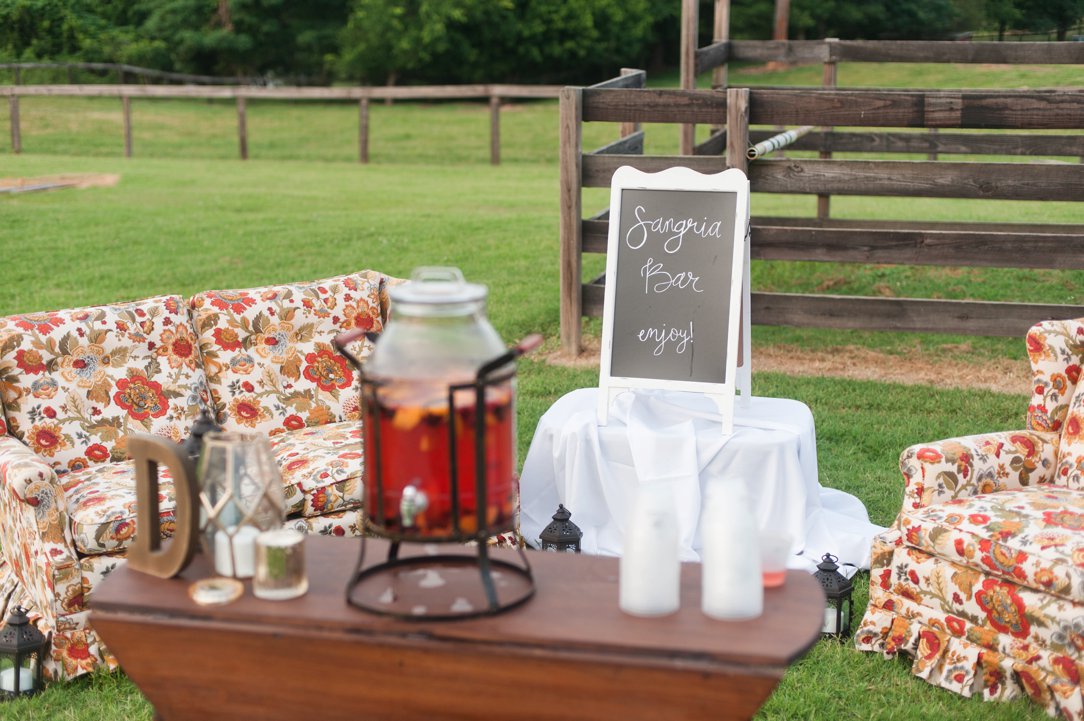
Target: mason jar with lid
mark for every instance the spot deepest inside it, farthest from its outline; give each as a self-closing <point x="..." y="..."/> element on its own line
<point x="439" y="415"/>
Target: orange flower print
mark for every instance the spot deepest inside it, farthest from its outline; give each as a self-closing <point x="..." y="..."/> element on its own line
<point x="293" y="422"/>
<point x="123" y="530"/>
<point x="231" y="300"/>
<point x="242" y="364"/>
<point x="328" y="370"/>
<point x="955" y="625"/>
<point x="44" y="388"/>
<point x="46" y="439"/>
<point x="73" y="598"/>
<point x="320" y="415"/>
<point x="1033" y="684"/>
<point x="227" y="339"/>
<point x="248" y="411"/>
<point x="929" y="645"/>
<point x="978" y="519"/>
<point x="29" y="361"/>
<point x="85" y="366"/>
<point x="141" y="397"/>
<point x="39" y="322"/>
<point x="275" y="343"/>
<point x="1064" y="518"/>
<point x="97" y="453"/>
<point x="74" y="652"/>
<point x="1002" y="559"/>
<point x="78" y="464"/>
<point x="1074" y="425"/>
<point x="928" y="455"/>
<point x="1037" y="350"/>
<point x="179" y="347"/>
<point x="358" y="315"/>
<point x="1003" y="607"/>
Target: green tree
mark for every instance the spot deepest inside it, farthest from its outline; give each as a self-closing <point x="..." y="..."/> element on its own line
<point x="411" y="41"/>
<point x="1042" y="15"/>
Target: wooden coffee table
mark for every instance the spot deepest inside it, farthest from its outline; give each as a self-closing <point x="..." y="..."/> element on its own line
<point x="568" y="652"/>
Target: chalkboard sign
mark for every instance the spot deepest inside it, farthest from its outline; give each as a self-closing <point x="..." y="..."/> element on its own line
<point x="674" y="272"/>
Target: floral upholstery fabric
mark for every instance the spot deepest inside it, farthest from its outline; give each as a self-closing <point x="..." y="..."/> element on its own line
<point x="321" y="468"/>
<point x="102" y="506"/>
<point x="1056" y="351"/>
<point x="962" y="467"/>
<point x="981" y="577"/>
<point x="269" y="356"/>
<point x="1070" y="471"/>
<point x="75" y="383"/>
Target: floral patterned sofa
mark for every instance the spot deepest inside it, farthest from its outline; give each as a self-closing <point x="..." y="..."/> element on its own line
<point x="981" y="577"/>
<point x="76" y="383"/>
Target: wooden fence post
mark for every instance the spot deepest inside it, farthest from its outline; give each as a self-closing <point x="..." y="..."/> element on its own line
<point x="494" y="130"/>
<point x="16" y="135"/>
<point x="242" y="127"/>
<point x="628" y="129"/>
<point x="363" y="130"/>
<point x="829" y="79"/>
<point x="720" y="33"/>
<point x="571" y="134"/>
<point x="690" y="19"/>
<point x="737" y="129"/>
<point x="126" y="105"/>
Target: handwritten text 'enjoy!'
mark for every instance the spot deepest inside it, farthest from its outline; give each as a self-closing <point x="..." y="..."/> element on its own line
<point x="664" y="335"/>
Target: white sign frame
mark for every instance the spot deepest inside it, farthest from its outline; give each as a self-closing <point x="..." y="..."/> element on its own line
<point x="732" y="180"/>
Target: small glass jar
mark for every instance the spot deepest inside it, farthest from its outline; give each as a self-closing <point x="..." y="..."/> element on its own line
<point x="439" y="426"/>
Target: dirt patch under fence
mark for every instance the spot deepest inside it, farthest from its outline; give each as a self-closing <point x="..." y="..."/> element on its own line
<point x="1004" y="376"/>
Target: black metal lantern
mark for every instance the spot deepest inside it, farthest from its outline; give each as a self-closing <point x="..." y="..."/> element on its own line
<point x="562" y="535"/>
<point x="204" y="424"/>
<point x="837" y="591"/>
<point x="22" y="656"/>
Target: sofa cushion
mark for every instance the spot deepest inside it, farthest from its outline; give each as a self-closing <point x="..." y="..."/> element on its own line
<point x="102" y="506"/>
<point x="268" y="351"/>
<point x="1070" y="470"/>
<point x="321" y="468"/>
<point x="1031" y="537"/>
<point x="76" y="382"/>
<point x="321" y="473"/>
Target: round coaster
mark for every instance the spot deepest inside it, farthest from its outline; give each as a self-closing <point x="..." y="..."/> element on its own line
<point x="215" y="591"/>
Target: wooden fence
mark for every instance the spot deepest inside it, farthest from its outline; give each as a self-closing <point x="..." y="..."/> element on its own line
<point x="893" y="116"/>
<point x="494" y="93"/>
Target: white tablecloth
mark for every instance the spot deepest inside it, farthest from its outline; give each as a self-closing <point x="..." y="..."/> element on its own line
<point x="660" y="436"/>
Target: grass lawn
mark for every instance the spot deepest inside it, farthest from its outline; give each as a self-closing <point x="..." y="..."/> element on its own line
<point x="187" y="216"/>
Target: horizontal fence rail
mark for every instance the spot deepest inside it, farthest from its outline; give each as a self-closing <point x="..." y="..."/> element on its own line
<point x="240" y="94"/>
<point x="1046" y="166"/>
<point x="880" y="51"/>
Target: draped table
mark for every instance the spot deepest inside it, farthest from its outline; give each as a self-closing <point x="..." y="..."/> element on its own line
<point x="676" y="438"/>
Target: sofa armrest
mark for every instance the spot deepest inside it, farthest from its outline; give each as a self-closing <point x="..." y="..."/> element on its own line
<point x="35" y="536"/>
<point x="962" y="467"/>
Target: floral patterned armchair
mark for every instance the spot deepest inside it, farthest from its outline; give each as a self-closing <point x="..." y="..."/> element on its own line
<point x="76" y="383"/>
<point x="981" y="577"/>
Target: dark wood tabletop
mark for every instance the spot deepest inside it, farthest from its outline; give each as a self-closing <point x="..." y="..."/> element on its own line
<point x="568" y="645"/>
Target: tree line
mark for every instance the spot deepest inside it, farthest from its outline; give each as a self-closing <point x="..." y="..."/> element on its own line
<point x="458" y="41"/>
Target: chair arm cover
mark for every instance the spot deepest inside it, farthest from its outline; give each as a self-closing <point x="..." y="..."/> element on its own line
<point x="1056" y="351"/>
<point x="35" y="536"/>
<point x="962" y="467"/>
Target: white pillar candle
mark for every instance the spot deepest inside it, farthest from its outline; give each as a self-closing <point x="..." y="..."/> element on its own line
<point x="242" y="562"/>
<point x="7" y="680"/>
<point x="649" y="577"/>
<point x="830" y="621"/>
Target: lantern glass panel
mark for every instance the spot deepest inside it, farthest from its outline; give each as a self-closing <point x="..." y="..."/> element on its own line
<point x="17" y="673"/>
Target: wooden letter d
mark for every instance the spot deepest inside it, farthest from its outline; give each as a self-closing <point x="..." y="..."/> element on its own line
<point x="146" y="554"/>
